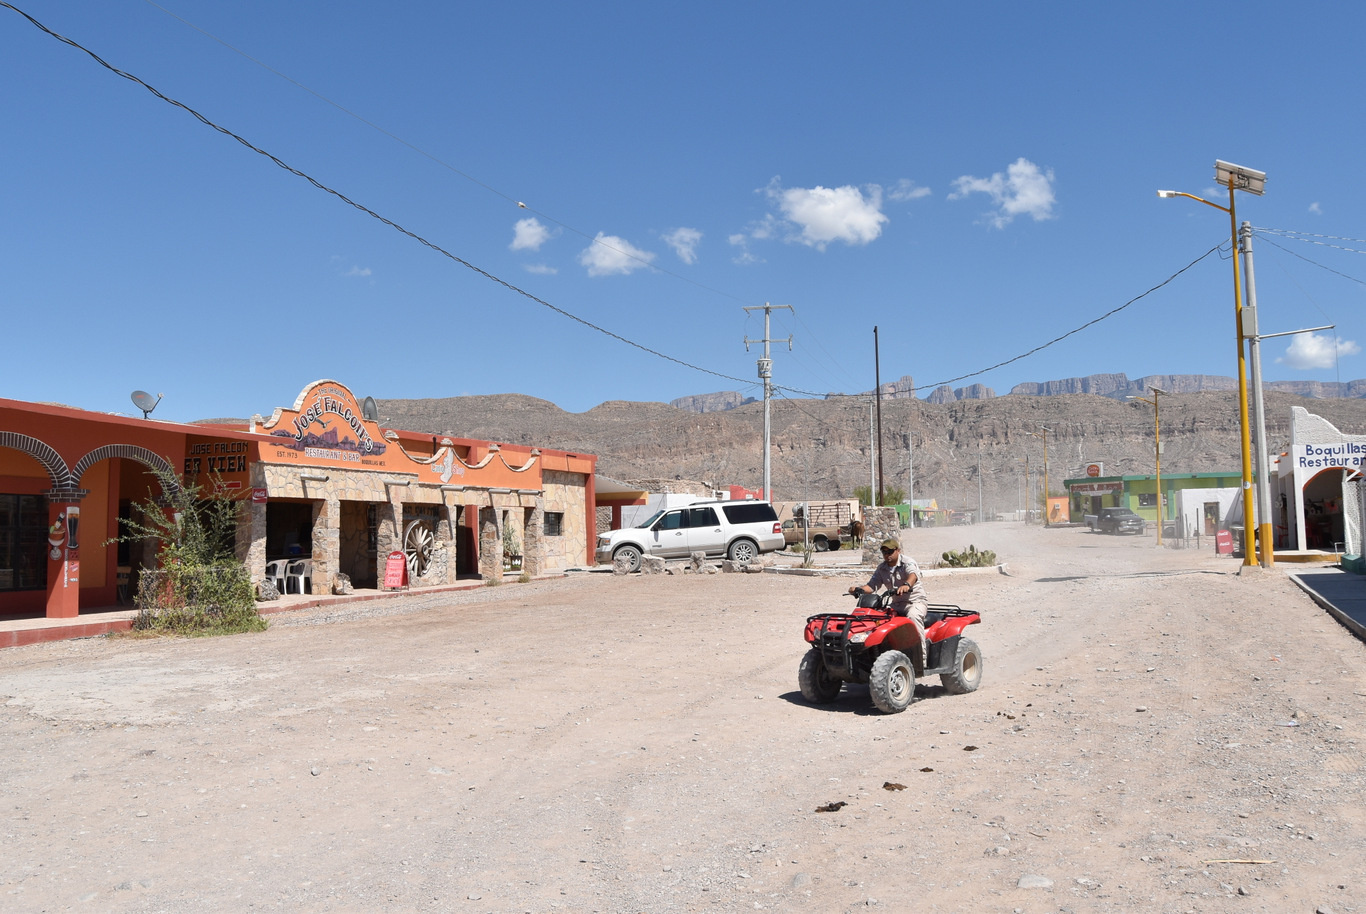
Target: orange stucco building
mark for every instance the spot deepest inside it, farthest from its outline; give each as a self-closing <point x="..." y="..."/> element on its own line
<point x="326" y="493"/>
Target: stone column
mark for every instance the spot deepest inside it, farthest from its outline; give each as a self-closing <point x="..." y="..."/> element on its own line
<point x="326" y="543"/>
<point x="447" y="539"/>
<point x="251" y="540"/>
<point x="533" y="540"/>
<point x="878" y="525"/>
<point x="490" y="546"/>
<point x="389" y="536"/>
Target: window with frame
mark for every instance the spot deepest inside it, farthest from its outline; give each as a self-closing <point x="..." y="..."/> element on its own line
<point x="23" y="542"/>
<point x="1147" y="499"/>
<point x="554" y="523"/>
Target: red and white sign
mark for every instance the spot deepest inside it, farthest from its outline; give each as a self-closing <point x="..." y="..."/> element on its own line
<point x="395" y="571"/>
<point x="258" y="496"/>
<point x="1095" y="469"/>
<point x="1096" y="488"/>
<point x="1223" y="542"/>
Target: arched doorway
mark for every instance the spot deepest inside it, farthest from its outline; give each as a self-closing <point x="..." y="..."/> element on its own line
<point x="1324" y="526"/>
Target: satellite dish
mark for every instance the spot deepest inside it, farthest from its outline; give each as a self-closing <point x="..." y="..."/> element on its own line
<point x="369" y="409"/>
<point x="144" y="401"/>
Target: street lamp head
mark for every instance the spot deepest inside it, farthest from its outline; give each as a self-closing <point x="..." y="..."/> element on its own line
<point x="1167" y="193"/>
<point x="1239" y="178"/>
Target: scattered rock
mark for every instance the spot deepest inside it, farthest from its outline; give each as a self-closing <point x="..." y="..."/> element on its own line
<point x="341" y="584"/>
<point x="1030" y="881"/>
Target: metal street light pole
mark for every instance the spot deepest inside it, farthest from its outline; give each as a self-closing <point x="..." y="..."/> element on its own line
<point x="1254" y="340"/>
<point x="766" y="375"/>
<point x="1157" y="454"/>
<point x="1235" y="177"/>
<point x="1046" y="521"/>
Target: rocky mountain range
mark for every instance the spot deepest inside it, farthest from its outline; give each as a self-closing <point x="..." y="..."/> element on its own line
<point x="820" y="448"/>
<point x="1116" y="386"/>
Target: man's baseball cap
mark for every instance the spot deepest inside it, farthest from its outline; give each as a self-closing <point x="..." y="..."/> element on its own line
<point x="890" y="543"/>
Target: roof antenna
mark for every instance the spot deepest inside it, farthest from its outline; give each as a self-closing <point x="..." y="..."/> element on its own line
<point x="143" y="401"/>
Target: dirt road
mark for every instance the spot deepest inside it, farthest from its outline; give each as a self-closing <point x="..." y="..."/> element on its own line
<point x="1154" y="733"/>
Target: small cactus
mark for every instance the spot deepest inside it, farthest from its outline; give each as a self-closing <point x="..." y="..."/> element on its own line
<point x="969" y="558"/>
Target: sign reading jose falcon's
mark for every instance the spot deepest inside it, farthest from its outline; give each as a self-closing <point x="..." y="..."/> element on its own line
<point x="1346" y="454"/>
<point x="327" y="424"/>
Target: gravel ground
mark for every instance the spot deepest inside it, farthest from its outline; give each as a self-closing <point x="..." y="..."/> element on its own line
<point x="1154" y="733"/>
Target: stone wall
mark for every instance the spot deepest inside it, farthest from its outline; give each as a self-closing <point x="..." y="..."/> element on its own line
<point x="565" y="493"/>
<point x="878" y="525"/>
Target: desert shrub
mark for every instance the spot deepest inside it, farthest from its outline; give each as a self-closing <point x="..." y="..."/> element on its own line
<point x="200" y="588"/>
<point x="969" y="558"/>
<point x="184" y="599"/>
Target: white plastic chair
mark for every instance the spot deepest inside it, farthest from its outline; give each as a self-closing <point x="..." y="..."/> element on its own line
<point x="297" y="573"/>
<point x="275" y="573"/>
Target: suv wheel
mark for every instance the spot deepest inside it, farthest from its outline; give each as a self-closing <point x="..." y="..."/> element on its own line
<point x="631" y="554"/>
<point x="742" y="552"/>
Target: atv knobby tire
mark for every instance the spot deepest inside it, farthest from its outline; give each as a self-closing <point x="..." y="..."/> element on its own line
<point x="892" y="682"/>
<point x="815" y="681"/>
<point x="966" y="675"/>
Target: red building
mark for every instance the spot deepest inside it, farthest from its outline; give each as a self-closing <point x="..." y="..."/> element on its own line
<point x="325" y="490"/>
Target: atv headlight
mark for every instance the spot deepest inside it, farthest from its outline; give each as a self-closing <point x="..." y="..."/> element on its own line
<point x="858" y="638"/>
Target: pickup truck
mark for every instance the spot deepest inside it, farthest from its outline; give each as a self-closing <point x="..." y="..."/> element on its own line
<point x="828" y="524"/>
<point x="1115" y="520"/>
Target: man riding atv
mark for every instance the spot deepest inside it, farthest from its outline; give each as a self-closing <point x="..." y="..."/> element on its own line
<point x="900" y="575"/>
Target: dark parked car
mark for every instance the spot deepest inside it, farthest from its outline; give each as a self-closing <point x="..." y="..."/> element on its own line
<point x="1115" y="520"/>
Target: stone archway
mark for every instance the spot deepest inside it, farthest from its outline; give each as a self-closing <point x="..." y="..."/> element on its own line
<point x="142" y="455"/>
<point x="63" y="482"/>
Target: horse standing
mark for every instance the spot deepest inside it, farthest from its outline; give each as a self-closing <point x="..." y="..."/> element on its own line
<point x="856" y="531"/>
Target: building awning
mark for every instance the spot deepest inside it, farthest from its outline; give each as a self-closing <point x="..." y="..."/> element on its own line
<point x="609" y="492"/>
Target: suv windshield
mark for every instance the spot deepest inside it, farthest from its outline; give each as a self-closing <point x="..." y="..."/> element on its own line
<point x="650" y="523"/>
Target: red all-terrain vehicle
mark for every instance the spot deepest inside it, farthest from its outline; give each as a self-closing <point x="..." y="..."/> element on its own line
<point x="874" y="646"/>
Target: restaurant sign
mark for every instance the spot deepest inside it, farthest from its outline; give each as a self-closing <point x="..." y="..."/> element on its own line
<point x="1325" y="456"/>
<point x="327" y="424"/>
<point x="1096" y="488"/>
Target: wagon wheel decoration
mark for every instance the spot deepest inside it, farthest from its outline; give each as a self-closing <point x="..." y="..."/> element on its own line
<point x="417" y="548"/>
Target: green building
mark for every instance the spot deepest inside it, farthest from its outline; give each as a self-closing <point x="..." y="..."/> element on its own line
<point x="1088" y="495"/>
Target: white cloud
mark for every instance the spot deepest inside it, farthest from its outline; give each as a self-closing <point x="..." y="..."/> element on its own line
<point x="609" y="255"/>
<point x="357" y="271"/>
<point x="1024" y="190"/>
<point x="1315" y="208"/>
<point x="906" y="189"/>
<point x="529" y="234"/>
<point x="1310" y="350"/>
<point x="745" y="257"/>
<point x="541" y="269"/>
<point x="684" y="241"/>
<point x="826" y="214"/>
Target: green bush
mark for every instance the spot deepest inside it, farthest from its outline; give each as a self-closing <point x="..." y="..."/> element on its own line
<point x="969" y="558"/>
<point x="200" y="588"/>
<point x="183" y="599"/>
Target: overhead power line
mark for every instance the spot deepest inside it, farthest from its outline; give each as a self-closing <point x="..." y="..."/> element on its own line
<point x="369" y="212"/>
<point x="590" y="238"/>
<point x="516" y="289"/>
<point x="1306" y="237"/>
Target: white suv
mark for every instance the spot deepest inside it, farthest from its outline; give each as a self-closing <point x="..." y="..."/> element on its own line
<point x="739" y="530"/>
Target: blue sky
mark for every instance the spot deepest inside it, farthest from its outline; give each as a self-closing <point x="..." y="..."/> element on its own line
<point x="974" y="179"/>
